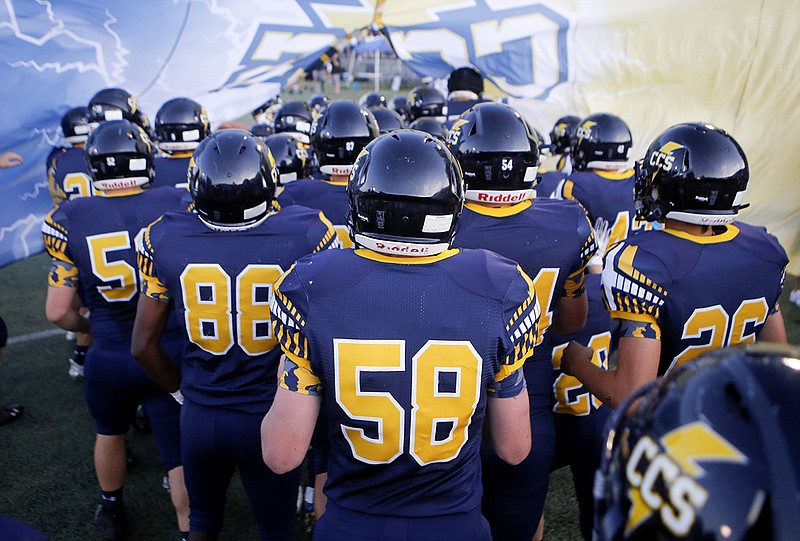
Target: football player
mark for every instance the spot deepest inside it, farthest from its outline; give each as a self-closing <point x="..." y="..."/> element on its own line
<point x="295" y="117"/>
<point x="369" y="100"/>
<point x="181" y="124"/>
<point x="292" y="156"/>
<point x="426" y="101"/>
<point x="69" y="176"/>
<point x="405" y="384"/>
<point x="388" y="120"/>
<point x="68" y="171"/>
<point x="579" y="415"/>
<point x="602" y="180"/>
<point x="92" y="243"/>
<point x="430" y="125"/>
<point x="705" y="281"/>
<point x="337" y="137"/>
<point x="552" y="242"/>
<point x="118" y="104"/>
<point x="561" y="137"/>
<point x="709" y="452"/>
<point x="216" y="267"/>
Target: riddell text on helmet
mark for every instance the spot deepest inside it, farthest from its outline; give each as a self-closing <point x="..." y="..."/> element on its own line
<point x="502" y="198"/>
<point x="402" y="248"/>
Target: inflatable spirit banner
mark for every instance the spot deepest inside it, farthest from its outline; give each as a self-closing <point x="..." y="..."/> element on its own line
<point x="731" y="63"/>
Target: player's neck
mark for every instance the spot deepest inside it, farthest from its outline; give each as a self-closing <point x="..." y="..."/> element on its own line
<point x="339" y="178"/>
<point x="693" y="229"/>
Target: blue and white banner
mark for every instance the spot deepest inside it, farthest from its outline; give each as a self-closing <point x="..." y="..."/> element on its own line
<point x="732" y="63"/>
<point x="229" y="55"/>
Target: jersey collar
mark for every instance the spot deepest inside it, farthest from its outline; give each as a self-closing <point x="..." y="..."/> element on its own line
<point x="401" y="260"/>
<point x="731" y="231"/>
<point x="614" y="175"/>
<point x="334" y="182"/>
<point x="499" y="212"/>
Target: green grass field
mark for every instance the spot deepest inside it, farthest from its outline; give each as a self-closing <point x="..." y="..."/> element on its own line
<point x="46" y="474"/>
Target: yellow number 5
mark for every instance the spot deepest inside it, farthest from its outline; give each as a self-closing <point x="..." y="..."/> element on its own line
<point x="446" y="383"/>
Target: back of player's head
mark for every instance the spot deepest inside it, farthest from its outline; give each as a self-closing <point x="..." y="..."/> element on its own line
<point x="387" y="119"/>
<point x="710" y="451"/>
<point x="426" y="101"/>
<point x="75" y="125"/>
<point x="181" y="123"/>
<point x="232" y="179"/>
<point x="406" y="193"/>
<point x="602" y="141"/>
<point x="465" y="83"/>
<point x="430" y="125"/>
<point x="120" y="156"/>
<point x="117" y="104"/>
<point x="498" y="153"/>
<point x="563" y="133"/>
<point x="695" y="173"/>
<point x="372" y="99"/>
<point x="339" y="134"/>
<point x="291" y="156"/>
<point x="294" y="116"/>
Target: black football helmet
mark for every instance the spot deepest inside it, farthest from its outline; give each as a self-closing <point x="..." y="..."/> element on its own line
<point x="261" y="131"/>
<point x="294" y="116"/>
<point x="602" y="141"/>
<point x="400" y="106"/>
<point x="181" y="123"/>
<point x="406" y="192"/>
<point x="498" y="153"/>
<point x="709" y="452"/>
<point x="693" y="173"/>
<point x="318" y="102"/>
<point x="339" y="134"/>
<point x="387" y="119"/>
<point x="75" y="125"/>
<point x="120" y="155"/>
<point x="264" y="113"/>
<point x="291" y="156"/>
<point x="232" y="179"/>
<point x="372" y="99"/>
<point x="117" y="104"/>
<point x="426" y="101"/>
<point x="563" y="133"/>
<point x="465" y="82"/>
<point x="430" y="125"/>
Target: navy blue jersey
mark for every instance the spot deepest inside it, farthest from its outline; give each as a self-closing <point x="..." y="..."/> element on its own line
<point x="404" y="352"/>
<point x="171" y="171"/>
<point x="608" y="199"/>
<point x="325" y="195"/>
<point x="221" y="283"/>
<point x="68" y="174"/>
<point x="571" y="397"/>
<point x="456" y="107"/>
<point x="552" y="241"/>
<point x="695" y="293"/>
<point x="96" y="238"/>
<point x="548" y="182"/>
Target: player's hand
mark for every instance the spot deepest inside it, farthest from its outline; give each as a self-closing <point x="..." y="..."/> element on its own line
<point x="575" y="354"/>
<point x="10" y="159"/>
